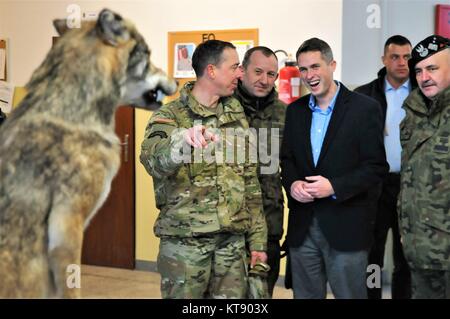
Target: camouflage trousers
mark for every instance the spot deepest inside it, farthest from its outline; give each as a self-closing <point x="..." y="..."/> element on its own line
<point x="213" y="266"/>
<point x="430" y="284"/>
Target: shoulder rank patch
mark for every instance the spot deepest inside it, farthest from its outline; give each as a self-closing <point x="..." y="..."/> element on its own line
<point x="161" y="134"/>
<point x="162" y="120"/>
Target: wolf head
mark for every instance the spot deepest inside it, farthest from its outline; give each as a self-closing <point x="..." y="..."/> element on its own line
<point x="118" y="51"/>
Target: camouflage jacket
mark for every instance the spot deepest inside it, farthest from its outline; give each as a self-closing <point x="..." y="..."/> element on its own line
<point x="267" y="113"/>
<point x="211" y="190"/>
<point x="424" y="200"/>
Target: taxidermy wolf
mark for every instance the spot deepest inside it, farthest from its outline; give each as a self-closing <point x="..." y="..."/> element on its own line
<point x="59" y="152"/>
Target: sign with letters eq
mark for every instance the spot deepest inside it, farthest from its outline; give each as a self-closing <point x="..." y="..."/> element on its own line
<point x="443" y="20"/>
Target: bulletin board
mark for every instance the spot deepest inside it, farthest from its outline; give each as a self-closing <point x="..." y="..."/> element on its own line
<point x="182" y="44"/>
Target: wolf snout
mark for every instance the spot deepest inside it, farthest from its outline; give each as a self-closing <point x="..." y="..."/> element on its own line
<point x="154" y="98"/>
<point x="167" y="86"/>
<point x="149" y="93"/>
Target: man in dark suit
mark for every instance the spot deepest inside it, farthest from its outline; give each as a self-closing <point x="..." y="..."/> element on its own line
<point x="333" y="161"/>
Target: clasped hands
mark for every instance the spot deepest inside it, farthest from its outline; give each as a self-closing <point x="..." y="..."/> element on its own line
<point x="313" y="187"/>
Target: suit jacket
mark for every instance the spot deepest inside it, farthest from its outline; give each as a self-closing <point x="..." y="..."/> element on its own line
<point x="352" y="158"/>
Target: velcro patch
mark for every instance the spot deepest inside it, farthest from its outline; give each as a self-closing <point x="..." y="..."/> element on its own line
<point x="162" y="120"/>
<point x="443" y="145"/>
<point x="161" y="134"/>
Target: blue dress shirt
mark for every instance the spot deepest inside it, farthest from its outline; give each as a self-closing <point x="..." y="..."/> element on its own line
<point x="319" y="123"/>
<point x="394" y="115"/>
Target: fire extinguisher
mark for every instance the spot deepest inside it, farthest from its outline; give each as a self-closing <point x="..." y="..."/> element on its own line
<point x="289" y="80"/>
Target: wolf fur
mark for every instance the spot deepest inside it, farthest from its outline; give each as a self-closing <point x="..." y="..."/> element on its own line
<point x="59" y="152"/>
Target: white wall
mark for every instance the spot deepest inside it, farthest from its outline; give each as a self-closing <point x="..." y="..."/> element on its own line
<point x="362" y="46"/>
<point x="413" y="18"/>
<point x="282" y="24"/>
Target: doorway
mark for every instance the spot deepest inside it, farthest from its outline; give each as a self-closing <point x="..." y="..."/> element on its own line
<point x="109" y="240"/>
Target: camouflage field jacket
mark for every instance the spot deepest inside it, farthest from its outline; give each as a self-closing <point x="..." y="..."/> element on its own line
<point x="267" y="114"/>
<point x="210" y="190"/>
<point x="424" y="201"/>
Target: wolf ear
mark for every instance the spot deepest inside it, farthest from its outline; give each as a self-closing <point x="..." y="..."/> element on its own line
<point x="111" y="28"/>
<point x="60" y="26"/>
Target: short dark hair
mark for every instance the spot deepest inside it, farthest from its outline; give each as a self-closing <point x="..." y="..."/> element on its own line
<point x="208" y="52"/>
<point x="264" y="50"/>
<point x="316" y="44"/>
<point x="398" y="40"/>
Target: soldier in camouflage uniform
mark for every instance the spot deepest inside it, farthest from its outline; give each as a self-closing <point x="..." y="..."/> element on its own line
<point x="424" y="201"/>
<point x="265" y="111"/>
<point x="210" y="206"/>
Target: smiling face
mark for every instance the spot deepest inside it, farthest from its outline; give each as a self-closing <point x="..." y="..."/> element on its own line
<point x="433" y="73"/>
<point x="260" y="74"/>
<point x="316" y="73"/>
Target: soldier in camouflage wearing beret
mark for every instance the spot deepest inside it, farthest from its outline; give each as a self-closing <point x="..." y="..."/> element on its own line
<point x="207" y="192"/>
<point x="424" y="201"/>
<point x="266" y="113"/>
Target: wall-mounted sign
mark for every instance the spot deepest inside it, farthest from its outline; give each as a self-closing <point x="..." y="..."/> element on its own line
<point x="443" y="20"/>
<point x="3" y="59"/>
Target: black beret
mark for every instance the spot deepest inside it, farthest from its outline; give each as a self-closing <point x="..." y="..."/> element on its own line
<point x="427" y="47"/>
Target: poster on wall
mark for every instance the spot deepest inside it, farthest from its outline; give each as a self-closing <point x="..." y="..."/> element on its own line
<point x="6" y="96"/>
<point x="3" y="48"/>
<point x="443" y="20"/>
<point x="242" y="46"/>
<point x="183" y="60"/>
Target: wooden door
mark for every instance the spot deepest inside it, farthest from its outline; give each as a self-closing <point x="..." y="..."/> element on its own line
<point x="109" y="240"/>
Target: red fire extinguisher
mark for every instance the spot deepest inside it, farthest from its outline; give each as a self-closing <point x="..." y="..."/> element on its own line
<point x="289" y="81"/>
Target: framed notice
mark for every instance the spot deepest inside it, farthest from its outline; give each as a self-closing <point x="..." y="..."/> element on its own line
<point x="242" y="46"/>
<point x="443" y="20"/>
<point x="3" y="59"/>
<point x="183" y="60"/>
<point x="6" y="96"/>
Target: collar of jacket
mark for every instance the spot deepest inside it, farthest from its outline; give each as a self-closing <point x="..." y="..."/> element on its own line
<point x="380" y="80"/>
<point x="418" y="102"/>
<point x="253" y="104"/>
<point x="230" y="104"/>
<point x="382" y="74"/>
<point x="341" y="99"/>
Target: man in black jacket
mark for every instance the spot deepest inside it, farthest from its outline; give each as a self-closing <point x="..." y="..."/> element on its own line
<point x="265" y="112"/>
<point x="332" y="161"/>
<point x="390" y="89"/>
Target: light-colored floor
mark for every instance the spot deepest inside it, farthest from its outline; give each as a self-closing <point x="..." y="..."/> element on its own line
<point x="103" y="282"/>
